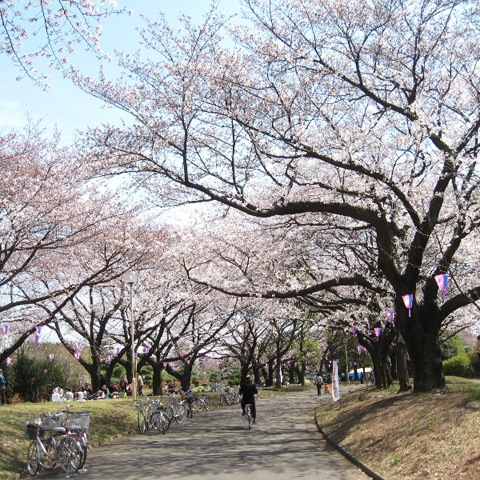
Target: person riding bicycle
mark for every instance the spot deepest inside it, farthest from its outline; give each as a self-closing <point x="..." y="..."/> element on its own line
<point x="248" y="391"/>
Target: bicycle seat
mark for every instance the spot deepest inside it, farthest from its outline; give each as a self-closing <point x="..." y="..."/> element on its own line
<point x="59" y="431"/>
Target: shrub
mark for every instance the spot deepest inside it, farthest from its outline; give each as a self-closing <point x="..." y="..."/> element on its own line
<point x="459" y="366"/>
<point x="32" y="379"/>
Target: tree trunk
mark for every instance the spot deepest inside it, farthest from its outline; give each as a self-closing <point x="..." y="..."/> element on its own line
<point x="278" y="373"/>
<point x="420" y="332"/>
<point x="157" y="379"/>
<point x="301" y="375"/>
<point x="96" y="375"/>
<point x="256" y="373"/>
<point x="243" y="372"/>
<point x="426" y="357"/>
<point x="401" y="363"/>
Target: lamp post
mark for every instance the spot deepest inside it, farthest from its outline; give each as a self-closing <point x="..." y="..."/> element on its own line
<point x="130" y="278"/>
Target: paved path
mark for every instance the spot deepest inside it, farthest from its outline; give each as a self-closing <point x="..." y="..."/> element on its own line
<point x="284" y="444"/>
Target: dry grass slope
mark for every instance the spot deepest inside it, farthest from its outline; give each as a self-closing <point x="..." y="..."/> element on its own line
<point x="411" y="436"/>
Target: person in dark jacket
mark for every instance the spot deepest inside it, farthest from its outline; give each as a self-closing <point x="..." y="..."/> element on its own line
<point x="3" y="386"/>
<point x="248" y="391"/>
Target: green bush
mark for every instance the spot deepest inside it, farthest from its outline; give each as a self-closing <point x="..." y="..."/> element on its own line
<point x="459" y="366"/>
<point x="32" y="379"/>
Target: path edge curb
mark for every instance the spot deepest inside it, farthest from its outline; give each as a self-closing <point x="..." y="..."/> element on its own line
<point x="348" y="455"/>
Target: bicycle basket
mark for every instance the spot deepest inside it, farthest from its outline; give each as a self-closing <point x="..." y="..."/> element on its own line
<point x="77" y="421"/>
<point x="32" y="429"/>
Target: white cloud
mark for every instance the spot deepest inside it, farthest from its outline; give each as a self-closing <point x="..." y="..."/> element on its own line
<point x="12" y="114"/>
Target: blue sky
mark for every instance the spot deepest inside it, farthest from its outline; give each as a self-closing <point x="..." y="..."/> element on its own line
<point x="67" y="107"/>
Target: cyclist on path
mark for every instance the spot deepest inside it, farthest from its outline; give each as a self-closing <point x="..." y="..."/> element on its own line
<point x="248" y="391"/>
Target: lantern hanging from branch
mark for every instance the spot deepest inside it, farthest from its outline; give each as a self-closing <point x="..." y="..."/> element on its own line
<point x="408" y="301"/>
<point x="442" y="281"/>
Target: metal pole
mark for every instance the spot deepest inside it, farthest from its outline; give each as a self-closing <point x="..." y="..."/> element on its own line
<point x="134" y="360"/>
<point x="346" y="363"/>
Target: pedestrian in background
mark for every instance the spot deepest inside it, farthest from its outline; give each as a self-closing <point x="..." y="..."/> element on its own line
<point x="3" y="387"/>
<point x="319" y="383"/>
<point x="140" y="385"/>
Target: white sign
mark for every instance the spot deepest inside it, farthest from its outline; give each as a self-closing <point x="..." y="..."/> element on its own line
<point x="335" y="382"/>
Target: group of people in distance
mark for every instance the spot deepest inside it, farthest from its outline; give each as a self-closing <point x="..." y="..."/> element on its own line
<point x="86" y="393"/>
<point x="67" y="395"/>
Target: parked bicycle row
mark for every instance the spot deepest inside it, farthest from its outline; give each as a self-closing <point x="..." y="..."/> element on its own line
<point x="57" y="439"/>
<point x="156" y="414"/>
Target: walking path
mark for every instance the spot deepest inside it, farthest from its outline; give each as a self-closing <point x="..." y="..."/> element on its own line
<point x="284" y="444"/>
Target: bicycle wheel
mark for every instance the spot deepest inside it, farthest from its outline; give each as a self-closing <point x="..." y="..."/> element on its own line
<point x="165" y="420"/>
<point x="81" y="439"/>
<point x="170" y="413"/>
<point x="142" y="422"/>
<point x="206" y="404"/>
<point x="197" y="402"/>
<point x="47" y="461"/>
<point x="248" y="409"/>
<point x="33" y="458"/>
<point x="160" y="421"/>
<point x="180" y="413"/>
<point x="70" y="454"/>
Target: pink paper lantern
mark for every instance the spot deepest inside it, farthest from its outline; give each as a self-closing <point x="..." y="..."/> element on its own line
<point x="408" y="301"/>
<point x="442" y="281"/>
<point x="391" y="316"/>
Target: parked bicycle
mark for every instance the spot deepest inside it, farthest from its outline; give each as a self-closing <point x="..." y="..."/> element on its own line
<point x="201" y="403"/>
<point x="188" y="402"/>
<point x="176" y="411"/>
<point x="77" y="424"/>
<point x="152" y="415"/>
<point x="46" y="451"/>
<point x="227" y="398"/>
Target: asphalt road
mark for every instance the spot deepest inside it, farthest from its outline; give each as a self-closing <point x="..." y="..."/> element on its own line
<point x="284" y="444"/>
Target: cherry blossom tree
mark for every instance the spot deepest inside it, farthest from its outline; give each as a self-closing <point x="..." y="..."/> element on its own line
<point x="99" y="312"/>
<point x="50" y="30"/>
<point x="51" y="219"/>
<point x="361" y="116"/>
